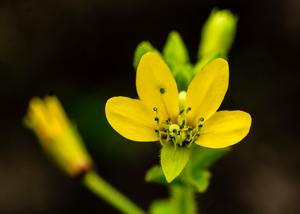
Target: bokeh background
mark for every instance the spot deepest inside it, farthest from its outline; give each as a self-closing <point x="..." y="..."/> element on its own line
<point x="82" y="51"/>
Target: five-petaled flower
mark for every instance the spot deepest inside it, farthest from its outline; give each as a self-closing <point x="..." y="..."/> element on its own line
<point x="180" y="119"/>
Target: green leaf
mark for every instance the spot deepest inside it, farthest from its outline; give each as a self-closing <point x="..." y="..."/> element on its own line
<point x="140" y="50"/>
<point x="156" y="175"/>
<point x="161" y="207"/>
<point x="173" y="160"/>
<point x="200" y="180"/>
<point x="175" y="51"/>
<point x="203" y="157"/>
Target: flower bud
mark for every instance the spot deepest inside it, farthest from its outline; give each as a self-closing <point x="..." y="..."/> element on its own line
<point x="218" y="33"/>
<point x="57" y="135"/>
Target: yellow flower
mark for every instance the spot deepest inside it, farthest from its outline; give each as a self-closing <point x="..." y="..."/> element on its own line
<point x="179" y="119"/>
<point x="57" y="135"/>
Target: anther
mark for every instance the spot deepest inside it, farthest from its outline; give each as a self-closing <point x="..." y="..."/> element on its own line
<point x="154" y="109"/>
<point x="188" y="109"/>
<point x="201" y="119"/>
<point x="168" y="120"/>
<point x="156" y="119"/>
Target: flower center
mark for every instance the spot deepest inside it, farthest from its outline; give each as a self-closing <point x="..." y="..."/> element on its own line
<point x="180" y="133"/>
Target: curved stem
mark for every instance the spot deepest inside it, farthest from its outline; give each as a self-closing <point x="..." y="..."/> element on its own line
<point x="104" y="190"/>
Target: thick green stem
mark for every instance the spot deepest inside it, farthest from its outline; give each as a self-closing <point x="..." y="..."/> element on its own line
<point x="182" y="198"/>
<point x="104" y="190"/>
<point x="183" y="194"/>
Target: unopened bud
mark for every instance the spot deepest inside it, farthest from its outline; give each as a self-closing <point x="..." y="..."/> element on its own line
<point x="57" y="135"/>
<point x="218" y="33"/>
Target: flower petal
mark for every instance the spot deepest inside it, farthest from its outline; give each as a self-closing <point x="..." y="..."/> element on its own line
<point x="207" y="90"/>
<point x="130" y="118"/>
<point x="156" y="86"/>
<point x="224" y="128"/>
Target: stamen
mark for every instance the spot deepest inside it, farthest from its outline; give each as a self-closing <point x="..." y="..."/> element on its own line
<point x="157" y="122"/>
<point x="182" y="124"/>
<point x="156" y="115"/>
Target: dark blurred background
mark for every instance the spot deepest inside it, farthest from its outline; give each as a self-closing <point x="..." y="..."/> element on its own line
<point x="82" y="51"/>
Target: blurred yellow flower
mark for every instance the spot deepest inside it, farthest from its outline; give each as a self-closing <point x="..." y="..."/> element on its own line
<point x="162" y="114"/>
<point x="57" y="135"/>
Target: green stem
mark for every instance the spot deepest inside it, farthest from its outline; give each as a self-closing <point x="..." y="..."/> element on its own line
<point x="182" y="198"/>
<point x="104" y="190"/>
<point x="183" y="194"/>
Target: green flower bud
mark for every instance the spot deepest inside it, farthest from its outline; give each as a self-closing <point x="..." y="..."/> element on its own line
<point x="176" y="56"/>
<point x="218" y="33"/>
